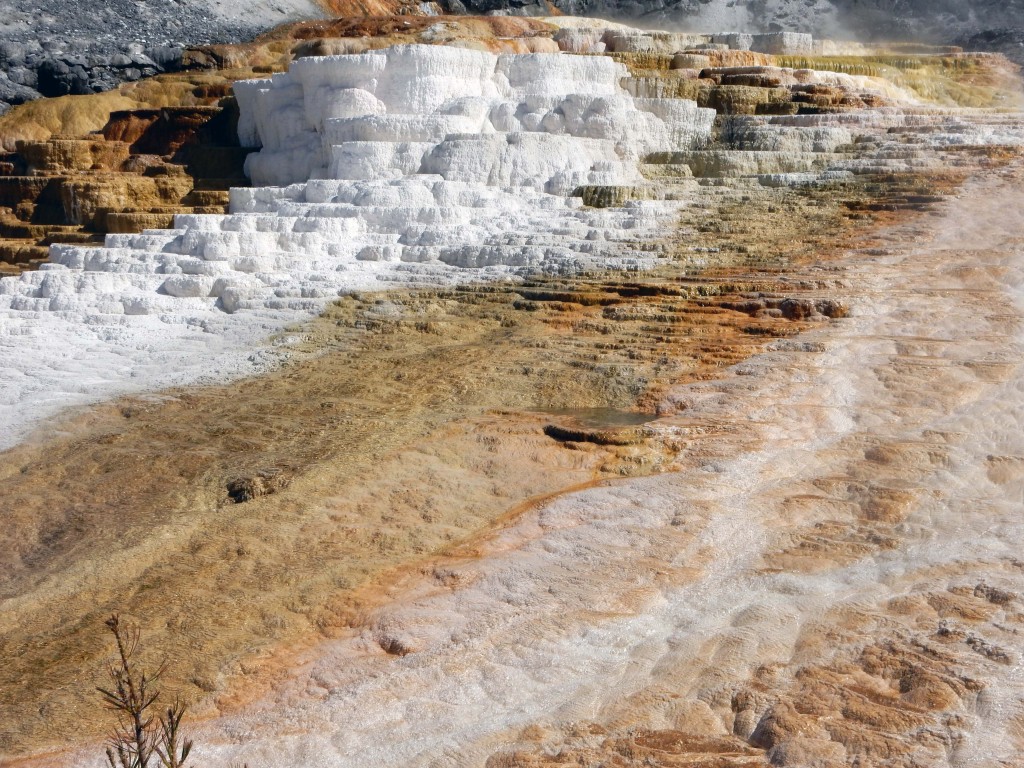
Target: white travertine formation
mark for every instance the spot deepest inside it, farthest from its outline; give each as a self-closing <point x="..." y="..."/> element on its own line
<point x="423" y="154"/>
<point x="637" y="41"/>
<point x="407" y="165"/>
<point x="547" y="122"/>
<point x="580" y="40"/>
<point x="413" y="166"/>
<point x="737" y="41"/>
<point x="640" y="41"/>
<point x="783" y="43"/>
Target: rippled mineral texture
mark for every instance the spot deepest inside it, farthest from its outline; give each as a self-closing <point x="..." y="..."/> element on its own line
<point x="487" y="391"/>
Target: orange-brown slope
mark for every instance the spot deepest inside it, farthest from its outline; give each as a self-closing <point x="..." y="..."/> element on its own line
<point x="232" y="520"/>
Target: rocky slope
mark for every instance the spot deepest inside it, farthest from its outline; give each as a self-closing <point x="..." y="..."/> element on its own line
<point x="648" y="408"/>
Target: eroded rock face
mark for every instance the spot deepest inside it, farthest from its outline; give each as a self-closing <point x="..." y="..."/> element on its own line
<point x="145" y="166"/>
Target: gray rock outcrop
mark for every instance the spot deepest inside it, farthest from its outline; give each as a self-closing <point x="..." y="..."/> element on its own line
<point x="60" y="47"/>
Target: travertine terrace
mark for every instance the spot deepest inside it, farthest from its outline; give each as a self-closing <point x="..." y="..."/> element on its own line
<point x="576" y="395"/>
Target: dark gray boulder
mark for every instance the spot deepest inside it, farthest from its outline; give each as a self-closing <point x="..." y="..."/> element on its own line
<point x="60" y="47"/>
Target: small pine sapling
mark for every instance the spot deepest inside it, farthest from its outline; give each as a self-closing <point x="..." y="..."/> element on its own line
<point x="139" y="734"/>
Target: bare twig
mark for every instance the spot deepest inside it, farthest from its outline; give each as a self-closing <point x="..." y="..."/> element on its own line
<point x="173" y="754"/>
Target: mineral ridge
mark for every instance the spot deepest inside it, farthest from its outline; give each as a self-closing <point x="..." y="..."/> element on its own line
<point x="810" y="557"/>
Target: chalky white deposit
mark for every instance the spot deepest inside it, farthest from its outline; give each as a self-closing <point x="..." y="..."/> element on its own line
<point x="414" y="164"/>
